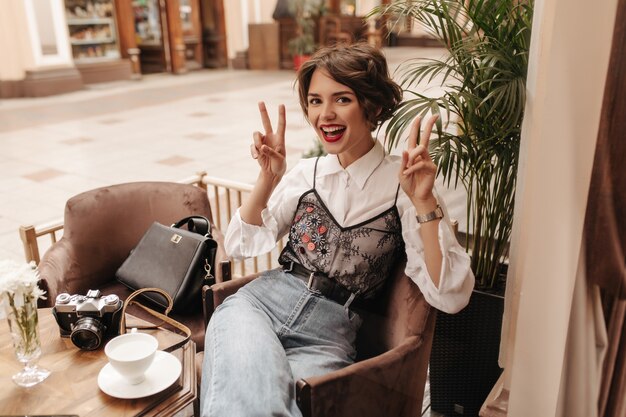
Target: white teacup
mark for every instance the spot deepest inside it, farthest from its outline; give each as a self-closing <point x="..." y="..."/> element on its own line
<point x="131" y="355"/>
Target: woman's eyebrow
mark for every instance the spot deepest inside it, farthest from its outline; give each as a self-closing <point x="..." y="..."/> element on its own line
<point x="338" y="93"/>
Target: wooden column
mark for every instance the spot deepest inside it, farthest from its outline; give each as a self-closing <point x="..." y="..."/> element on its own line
<point x="126" y="29"/>
<point x="176" y="44"/>
<point x="221" y="51"/>
<point x="193" y="38"/>
<point x="214" y="33"/>
<point x="125" y="26"/>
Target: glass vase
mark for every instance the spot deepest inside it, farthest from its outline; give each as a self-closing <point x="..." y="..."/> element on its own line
<point x="21" y="311"/>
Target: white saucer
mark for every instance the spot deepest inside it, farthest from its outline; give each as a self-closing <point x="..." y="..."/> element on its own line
<point x="161" y="374"/>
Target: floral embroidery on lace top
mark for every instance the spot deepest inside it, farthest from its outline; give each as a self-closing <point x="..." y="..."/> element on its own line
<point x="360" y="257"/>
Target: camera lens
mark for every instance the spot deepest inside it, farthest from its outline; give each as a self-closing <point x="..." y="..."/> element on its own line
<point x="87" y="333"/>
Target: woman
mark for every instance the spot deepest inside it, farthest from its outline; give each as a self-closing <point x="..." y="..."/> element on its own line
<point x="349" y="216"/>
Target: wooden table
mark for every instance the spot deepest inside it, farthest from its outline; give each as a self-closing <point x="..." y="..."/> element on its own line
<point x="72" y="387"/>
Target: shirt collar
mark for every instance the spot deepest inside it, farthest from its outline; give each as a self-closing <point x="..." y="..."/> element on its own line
<point x="359" y="171"/>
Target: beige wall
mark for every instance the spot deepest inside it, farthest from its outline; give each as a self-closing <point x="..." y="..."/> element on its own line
<point x="24" y="26"/>
<point x="568" y="66"/>
<point x="14" y="41"/>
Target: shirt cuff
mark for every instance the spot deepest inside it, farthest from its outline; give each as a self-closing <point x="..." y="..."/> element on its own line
<point x="456" y="281"/>
<point x="244" y="240"/>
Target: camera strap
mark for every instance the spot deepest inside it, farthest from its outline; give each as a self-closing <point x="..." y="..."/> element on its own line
<point x="163" y="316"/>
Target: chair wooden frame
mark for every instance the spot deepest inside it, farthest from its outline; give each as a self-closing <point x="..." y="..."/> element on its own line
<point x="225" y="197"/>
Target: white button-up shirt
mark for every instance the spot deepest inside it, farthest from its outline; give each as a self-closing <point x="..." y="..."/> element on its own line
<point x="355" y="194"/>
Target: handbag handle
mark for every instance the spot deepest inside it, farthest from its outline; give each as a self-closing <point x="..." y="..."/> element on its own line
<point x="197" y="224"/>
<point x="131" y="300"/>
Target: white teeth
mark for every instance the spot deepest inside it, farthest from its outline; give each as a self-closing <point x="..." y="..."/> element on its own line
<point x="332" y="129"/>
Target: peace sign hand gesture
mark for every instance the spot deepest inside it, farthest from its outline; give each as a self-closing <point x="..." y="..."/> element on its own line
<point x="269" y="148"/>
<point x="417" y="171"/>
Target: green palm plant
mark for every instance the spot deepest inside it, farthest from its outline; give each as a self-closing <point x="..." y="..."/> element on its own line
<point x="483" y="77"/>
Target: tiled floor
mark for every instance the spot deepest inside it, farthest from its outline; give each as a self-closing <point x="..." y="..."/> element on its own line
<point x="163" y="127"/>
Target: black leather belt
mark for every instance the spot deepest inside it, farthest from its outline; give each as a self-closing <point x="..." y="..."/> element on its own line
<point x="320" y="283"/>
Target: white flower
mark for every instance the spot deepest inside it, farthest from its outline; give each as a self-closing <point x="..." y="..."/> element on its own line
<point x="19" y="293"/>
<point x="19" y="279"/>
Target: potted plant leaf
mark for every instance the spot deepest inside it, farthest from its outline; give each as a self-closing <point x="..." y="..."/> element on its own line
<point x="483" y="77"/>
<point x="303" y="44"/>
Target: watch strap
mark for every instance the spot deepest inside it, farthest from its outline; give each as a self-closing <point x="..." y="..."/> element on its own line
<point x="433" y="215"/>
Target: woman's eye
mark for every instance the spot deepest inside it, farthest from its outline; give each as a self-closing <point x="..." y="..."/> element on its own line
<point x="314" y="101"/>
<point x="343" y="100"/>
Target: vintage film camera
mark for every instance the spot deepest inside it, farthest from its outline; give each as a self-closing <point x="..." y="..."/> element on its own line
<point x="87" y="319"/>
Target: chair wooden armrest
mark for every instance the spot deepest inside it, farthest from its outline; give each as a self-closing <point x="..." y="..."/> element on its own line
<point x="223" y="268"/>
<point x="383" y="385"/>
<point x="214" y="295"/>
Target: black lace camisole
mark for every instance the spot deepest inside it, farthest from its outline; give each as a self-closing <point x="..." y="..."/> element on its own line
<point x="359" y="257"/>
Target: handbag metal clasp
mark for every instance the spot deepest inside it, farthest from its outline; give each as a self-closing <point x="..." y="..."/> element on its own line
<point x="176" y="238"/>
<point x="207" y="269"/>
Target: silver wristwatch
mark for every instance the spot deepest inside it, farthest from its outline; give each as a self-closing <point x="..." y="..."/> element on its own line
<point x="433" y="215"/>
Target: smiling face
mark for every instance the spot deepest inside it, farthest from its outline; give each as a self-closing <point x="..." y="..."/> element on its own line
<point x="338" y="118"/>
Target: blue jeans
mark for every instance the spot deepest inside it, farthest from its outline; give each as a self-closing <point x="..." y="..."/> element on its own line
<point x="263" y="339"/>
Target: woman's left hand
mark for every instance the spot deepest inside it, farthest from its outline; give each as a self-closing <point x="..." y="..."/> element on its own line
<point x="417" y="171"/>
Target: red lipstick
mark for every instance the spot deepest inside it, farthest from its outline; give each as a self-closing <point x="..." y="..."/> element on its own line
<point x="332" y="133"/>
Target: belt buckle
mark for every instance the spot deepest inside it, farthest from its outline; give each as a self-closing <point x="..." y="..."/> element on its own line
<point x="309" y="285"/>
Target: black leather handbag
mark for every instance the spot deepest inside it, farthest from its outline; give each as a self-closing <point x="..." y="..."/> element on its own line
<point x="173" y="259"/>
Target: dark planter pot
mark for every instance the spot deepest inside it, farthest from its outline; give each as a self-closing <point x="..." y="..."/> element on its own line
<point x="464" y="358"/>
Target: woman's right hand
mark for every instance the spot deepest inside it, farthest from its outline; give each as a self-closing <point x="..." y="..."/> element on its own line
<point x="269" y="148"/>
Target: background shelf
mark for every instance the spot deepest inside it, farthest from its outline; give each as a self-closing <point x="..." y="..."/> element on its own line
<point x="92" y="41"/>
<point x="91" y="21"/>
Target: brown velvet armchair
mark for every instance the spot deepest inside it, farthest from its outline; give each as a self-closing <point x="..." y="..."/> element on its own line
<point x="102" y="226"/>
<point x="393" y="348"/>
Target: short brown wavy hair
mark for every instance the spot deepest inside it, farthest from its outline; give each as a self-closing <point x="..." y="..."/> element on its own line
<point x="361" y="67"/>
